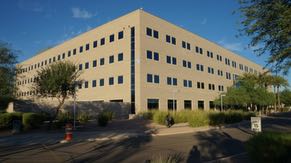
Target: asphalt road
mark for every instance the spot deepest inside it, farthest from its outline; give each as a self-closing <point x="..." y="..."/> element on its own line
<point x="226" y="145"/>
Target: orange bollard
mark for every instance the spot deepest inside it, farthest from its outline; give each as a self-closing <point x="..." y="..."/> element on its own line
<point x="69" y="133"/>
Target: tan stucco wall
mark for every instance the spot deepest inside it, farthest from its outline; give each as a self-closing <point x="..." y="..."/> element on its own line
<point x="140" y="20"/>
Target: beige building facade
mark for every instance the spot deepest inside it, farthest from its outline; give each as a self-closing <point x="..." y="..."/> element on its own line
<point x="145" y="61"/>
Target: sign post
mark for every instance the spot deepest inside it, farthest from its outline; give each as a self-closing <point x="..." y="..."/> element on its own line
<point x="256" y="124"/>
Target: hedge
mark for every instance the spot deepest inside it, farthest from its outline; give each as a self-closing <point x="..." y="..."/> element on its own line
<point x="6" y="119"/>
<point x="31" y="120"/>
<point x="270" y="147"/>
<point x="197" y="118"/>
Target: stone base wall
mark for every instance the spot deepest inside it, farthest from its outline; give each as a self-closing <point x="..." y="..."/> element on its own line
<point x="93" y="108"/>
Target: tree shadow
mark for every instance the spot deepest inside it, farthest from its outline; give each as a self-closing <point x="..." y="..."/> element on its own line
<point x="194" y="155"/>
<point x="215" y="145"/>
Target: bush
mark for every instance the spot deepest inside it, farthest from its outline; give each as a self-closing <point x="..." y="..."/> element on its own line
<point x="159" y="117"/>
<point x="6" y="119"/>
<point x="270" y="147"/>
<point x="147" y="115"/>
<point x="198" y="118"/>
<point x="83" y="118"/>
<point x="31" y="120"/>
<point x="103" y="119"/>
<point x="109" y="114"/>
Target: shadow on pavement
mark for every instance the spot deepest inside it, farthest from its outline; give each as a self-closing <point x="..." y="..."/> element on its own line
<point x="215" y="145"/>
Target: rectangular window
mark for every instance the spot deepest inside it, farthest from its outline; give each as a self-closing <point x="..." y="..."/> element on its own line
<point x="111" y="59"/>
<point x="153" y="104"/>
<point x="69" y="53"/>
<point x="184" y="63"/>
<point x="172" y="104"/>
<point x="183" y="44"/>
<point x="93" y="83"/>
<point x="63" y="56"/>
<point x="168" y="59"/>
<point x="149" y="54"/>
<point x="102" y="61"/>
<point x="74" y="51"/>
<point x="175" y="81"/>
<point x="50" y="61"/>
<point x="189" y="65"/>
<point x="200" y="50"/>
<point x="111" y="81"/>
<point x="86" y="84"/>
<point x="169" y="81"/>
<point x="95" y="43"/>
<point x="156" y="34"/>
<point x="211" y="105"/>
<point x="86" y="65"/>
<point x="149" y="31"/>
<point x="174" y="40"/>
<point x="111" y="38"/>
<point x="81" y="49"/>
<point x="59" y="58"/>
<point x="168" y="38"/>
<point x="156" y="56"/>
<point x="87" y="47"/>
<point x="149" y="78"/>
<point x="80" y="67"/>
<point x="197" y="49"/>
<point x="120" y="35"/>
<point x="54" y="59"/>
<point x="188" y="104"/>
<point x="102" y="41"/>
<point x="156" y="79"/>
<point x="174" y="61"/>
<point x="185" y="83"/>
<point x="94" y="64"/>
<point x="101" y="82"/>
<point x="120" y="57"/>
<point x="201" y="104"/>
<point x="120" y="79"/>
<point x="188" y="46"/>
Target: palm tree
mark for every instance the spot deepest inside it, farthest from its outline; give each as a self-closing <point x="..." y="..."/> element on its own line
<point x="277" y="82"/>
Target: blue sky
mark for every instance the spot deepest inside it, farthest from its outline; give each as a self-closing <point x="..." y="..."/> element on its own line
<point x="32" y="25"/>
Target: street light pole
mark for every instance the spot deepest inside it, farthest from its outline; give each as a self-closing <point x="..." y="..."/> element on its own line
<point x="75" y="111"/>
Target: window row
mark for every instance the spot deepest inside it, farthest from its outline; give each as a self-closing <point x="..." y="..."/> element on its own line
<point x="81" y="49"/>
<point x="111" y="81"/>
<point x="154" y="104"/>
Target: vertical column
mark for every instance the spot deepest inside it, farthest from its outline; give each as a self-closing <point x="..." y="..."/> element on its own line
<point x="132" y="70"/>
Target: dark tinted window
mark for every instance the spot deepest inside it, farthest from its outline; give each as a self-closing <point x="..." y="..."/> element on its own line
<point x="81" y="49"/>
<point x="102" y="61"/>
<point x="87" y="46"/>
<point x="156" y="34"/>
<point x="86" y="84"/>
<point x="168" y="59"/>
<point x="101" y="82"/>
<point x="120" y="35"/>
<point x="156" y="56"/>
<point x="168" y="38"/>
<point x="111" y="81"/>
<point x="149" y="54"/>
<point x="111" y="38"/>
<point x="111" y="59"/>
<point x="149" y="78"/>
<point x="80" y="67"/>
<point x="95" y="43"/>
<point x="94" y="64"/>
<point x="156" y="79"/>
<point x="93" y="83"/>
<point x="153" y="104"/>
<point x="86" y="65"/>
<point x="102" y="41"/>
<point x="149" y="31"/>
<point x="120" y="57"/>
<point x="188" y="104"/>
<point x="120" y="79"/>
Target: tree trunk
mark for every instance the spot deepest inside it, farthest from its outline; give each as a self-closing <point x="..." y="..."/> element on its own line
<point x="278" y="96"/>
<point x="275" y="105"/>
<point x="61" y="103"/>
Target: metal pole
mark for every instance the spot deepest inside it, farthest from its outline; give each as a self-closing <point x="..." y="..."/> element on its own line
<point x="74" y="111"/>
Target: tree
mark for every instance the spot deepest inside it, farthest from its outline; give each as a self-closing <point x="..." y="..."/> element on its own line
<point x="7" y="73"/>
<point x="267" y="22"/>
<point x="278" y="82"/>
<point x="58" y="81"/>
<point x="286" y="97"/>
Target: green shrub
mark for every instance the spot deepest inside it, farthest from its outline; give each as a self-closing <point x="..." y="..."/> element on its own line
<point x="159" y="117"/>
<point x="170" y="158"/>
<point x="147" y="115"/>
<point x="198" y="118"/>
<point x="181" y="116"/>
<point x="5" y="121"/>
<point x="103" y="118"/>
<point x="83" y="118"/>
<point x="31" y="120"/>
<point x="270" y="147"/>
<point x="109" y="114"/>
<point x="233" y="117"/>
<point x="216" y="118"/>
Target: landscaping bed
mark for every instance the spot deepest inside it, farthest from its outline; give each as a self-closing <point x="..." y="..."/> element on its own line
<point x="198" y="118"/>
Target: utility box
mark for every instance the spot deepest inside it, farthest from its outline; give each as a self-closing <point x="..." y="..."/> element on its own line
<point x="256" y="124"/>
